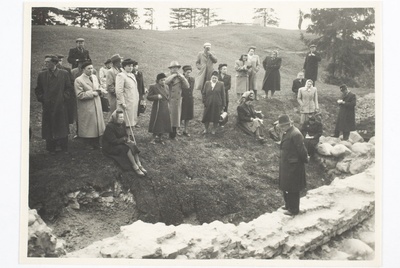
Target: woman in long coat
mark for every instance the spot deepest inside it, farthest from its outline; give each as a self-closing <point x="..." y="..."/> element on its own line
<point x="214" y="102"/>
<point x="160" y="120"/>
<point x="127" y="93"/>
<point x="242" y="67"/>
<point x="90" y="112"/>
<point x="255" y="67"/>
<point x="272" y="77"/>
<point x="249" y="120"/>
<point x="118" y="146"/>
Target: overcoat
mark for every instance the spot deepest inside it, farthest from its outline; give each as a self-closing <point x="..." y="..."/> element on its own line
<point x="255" y="67"/>
<point x="272" y="77"/>
<point x="308" y="100"/>
<point x="72" y="100"/>
<point x="214" y="101"/>
<point x="227" y="79"/>
<point x="160" y="120"/>
<point x="346" y="120"/>
<point x="314" y="130"/>
<point x="127" y="93"/>
<point x="140" y="86"/>
<point x="293" y="155"/>
<point x="75" y="53"/>
<point x="245" y="112"/>
<point x="176" y="86"/>
<point x="242" y="76"/>
<point x="205" y="65"/>
<point x="110" y="82"/>
<point x="311" y="66"/>
<point x="53" y="91"/>
<point x="103" y="77"/>
<point x="90" y="113"/>
<point x="298" y="83"/>
<point x="187" y="101"/>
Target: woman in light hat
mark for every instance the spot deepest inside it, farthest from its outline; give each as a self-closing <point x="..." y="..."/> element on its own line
<point x="250" y="120"/>
<point x="255" y="64"/>
<point x="176" y="83"/>
<point x="160" y="120"/>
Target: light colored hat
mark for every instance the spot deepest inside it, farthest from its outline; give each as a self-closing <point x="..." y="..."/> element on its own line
<point x="80" y="39"/>
<point x="115" y="57"/>
<point x="247" y="94"/>
<point x="174" y="63"/>
<point x="207" y="45"/>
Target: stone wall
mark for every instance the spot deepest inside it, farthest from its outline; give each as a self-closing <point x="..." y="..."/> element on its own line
<point x="325" y="213"/>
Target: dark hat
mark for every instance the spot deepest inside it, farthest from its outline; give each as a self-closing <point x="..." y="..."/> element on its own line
<point x="60" y="56"/>
<point x="127" y="61"/>
<point x="222" y="65"/>
<point x="80" y="40"/>
<point x="160" y="76"/>
<point x="174" y="63"/>
<point x="52" y="57"/>
<point x="313" y="45"/>
<point x="186" y="67"/>
<point x="85" y="64"/>
<point x="311" y="118"/>
<point x="343" y="87"/>
<point x="107" y="61"/>
<point x="214" y="73"/>
<point x="115" y="58"/>
<point x="81" y="60"/>
<point x="284" y="120"/>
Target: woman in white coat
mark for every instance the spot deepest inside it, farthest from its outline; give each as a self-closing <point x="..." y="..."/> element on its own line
<point x="127" y="93"/>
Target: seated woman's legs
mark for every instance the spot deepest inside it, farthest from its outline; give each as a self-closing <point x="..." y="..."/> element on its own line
<point x="136" y="156"/>
<point x="134" y="164"/>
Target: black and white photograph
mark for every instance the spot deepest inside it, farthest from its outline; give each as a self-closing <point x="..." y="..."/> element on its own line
<point x="206" y="133"/>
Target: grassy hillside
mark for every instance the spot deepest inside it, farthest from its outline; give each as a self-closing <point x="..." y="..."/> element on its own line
<point x="228" y="176"/>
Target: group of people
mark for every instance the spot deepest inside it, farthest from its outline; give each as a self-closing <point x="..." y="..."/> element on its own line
<point x="79" y="96"/>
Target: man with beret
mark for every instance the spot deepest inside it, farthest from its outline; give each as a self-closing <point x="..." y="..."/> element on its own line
<point x="346" y="120"/>
<point x="78" y="52"/>
<point x="204" y="63"/>
<point x="310" y="67"/>
<point x="53" y="91"/>
<point x="226" y="79"/>
<point x="292" y="173"/>
<point x="111" y="76"/>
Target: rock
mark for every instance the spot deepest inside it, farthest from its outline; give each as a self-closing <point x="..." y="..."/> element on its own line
<point x="355" y="137"/>
<point x="346" y="143"/>
<point x="324" y="149"/>
<point x="357" y="249"/>
<point x="359" y="165"/>
<point x="331" y="140"/>
<point x="339" y="150"/>
<point x="32" y="217"/>
<point x="74" y="204"/>
<point x="372" y="140"/>
<point x="360" y="148"/>
<point x="368" y="238"/>
<point x="344" y="165"/>
<point x="339" y="255"/>
<point x="330" y="163"/>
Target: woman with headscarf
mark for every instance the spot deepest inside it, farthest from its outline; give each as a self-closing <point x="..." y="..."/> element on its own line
<point x="214" y="102"/>
<point x="160" y="120"/>
<point x="126" y="88"/>
<point x="250" y="120"/>
<point x="242" y="67"/>
<point x="118" y="146"/>
<point x="307" y="97"/>
<point x="255" y="64"/>
<point x="272" y="77"/>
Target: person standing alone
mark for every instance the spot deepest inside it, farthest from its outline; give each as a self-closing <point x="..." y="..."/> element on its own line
<point x="346" y="120"/>
<point x="310" y="67"/>
<point x="78" y="52"/>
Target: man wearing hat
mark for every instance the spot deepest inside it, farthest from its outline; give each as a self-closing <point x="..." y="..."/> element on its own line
<point x="204" y="63"/>
<point x="346" y="120"/>
<point x="78" y="52"/>
<point x="226" y="79"/>
<point x="292" y="174"/>
<point x="53" y="91"/>
<point x="310" y="67"/>
<point x="187" y="113"/>
<point x="312" y="131"/>
<point x="76" y="72"/>
<point x="110" y="81"/>
<point x="177" y="83"/>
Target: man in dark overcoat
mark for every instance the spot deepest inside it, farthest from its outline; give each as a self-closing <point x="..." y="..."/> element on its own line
<point x="310" y="67"/>
<point x="346" y="120"/>
<point x="53" y="91"/>
<point x="292" y="173"/>
<point x="140" y="84"/>
<point x="72" y="100"/>
<point x="78" y="52"/>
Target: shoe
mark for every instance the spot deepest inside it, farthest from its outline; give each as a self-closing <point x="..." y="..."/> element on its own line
<point x="153" y="142"/>
<point x="186" y="134"/>
<point x="139" y="172"/>
<point x="213" y="132"/>
<point x="142" y="169"/>
<point x="290" y="213"/>
<point x="205" y="132"/>
<point x="179" y="133"/>
<point x="283" y="207"/>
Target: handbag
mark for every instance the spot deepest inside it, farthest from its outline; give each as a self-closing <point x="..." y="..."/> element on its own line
<point x="142" y="107"/>
<point x="105" y="104"/>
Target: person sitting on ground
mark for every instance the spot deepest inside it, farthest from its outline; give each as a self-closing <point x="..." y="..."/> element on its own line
<point x="118" y="146"/>
<point x="275" y="132"/>
<point x="250" y="120"/>
<point x="311" y="131"/>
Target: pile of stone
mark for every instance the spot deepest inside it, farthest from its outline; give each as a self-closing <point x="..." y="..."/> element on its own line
<point x="365" y="107"/>
<point x="344" y="157"/>
<point x="41" y="241"/>
<point x="326" y="212"/>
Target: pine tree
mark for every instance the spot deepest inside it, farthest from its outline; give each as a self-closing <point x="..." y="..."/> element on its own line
<point x="118" y="18"/>
<point x="268" y="15"/>
<point x="179" y="18"/>
<point x="46" y="16"/>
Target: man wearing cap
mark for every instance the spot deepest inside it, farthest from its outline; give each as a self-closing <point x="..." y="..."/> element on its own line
<point x="226" y="79"/>
<point x="310" y="67"/>
<point x="177" y="83"/>
<point x="292" y="174"/>
<point x="90" y="112"/>
<point x="53" y="91"/>
<point x="204" y="63"/>
<point x="346" y="120"/>
<point x="78" y="52"/>
<point x="187" y="113"/>
<point x="110" y="81"/>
